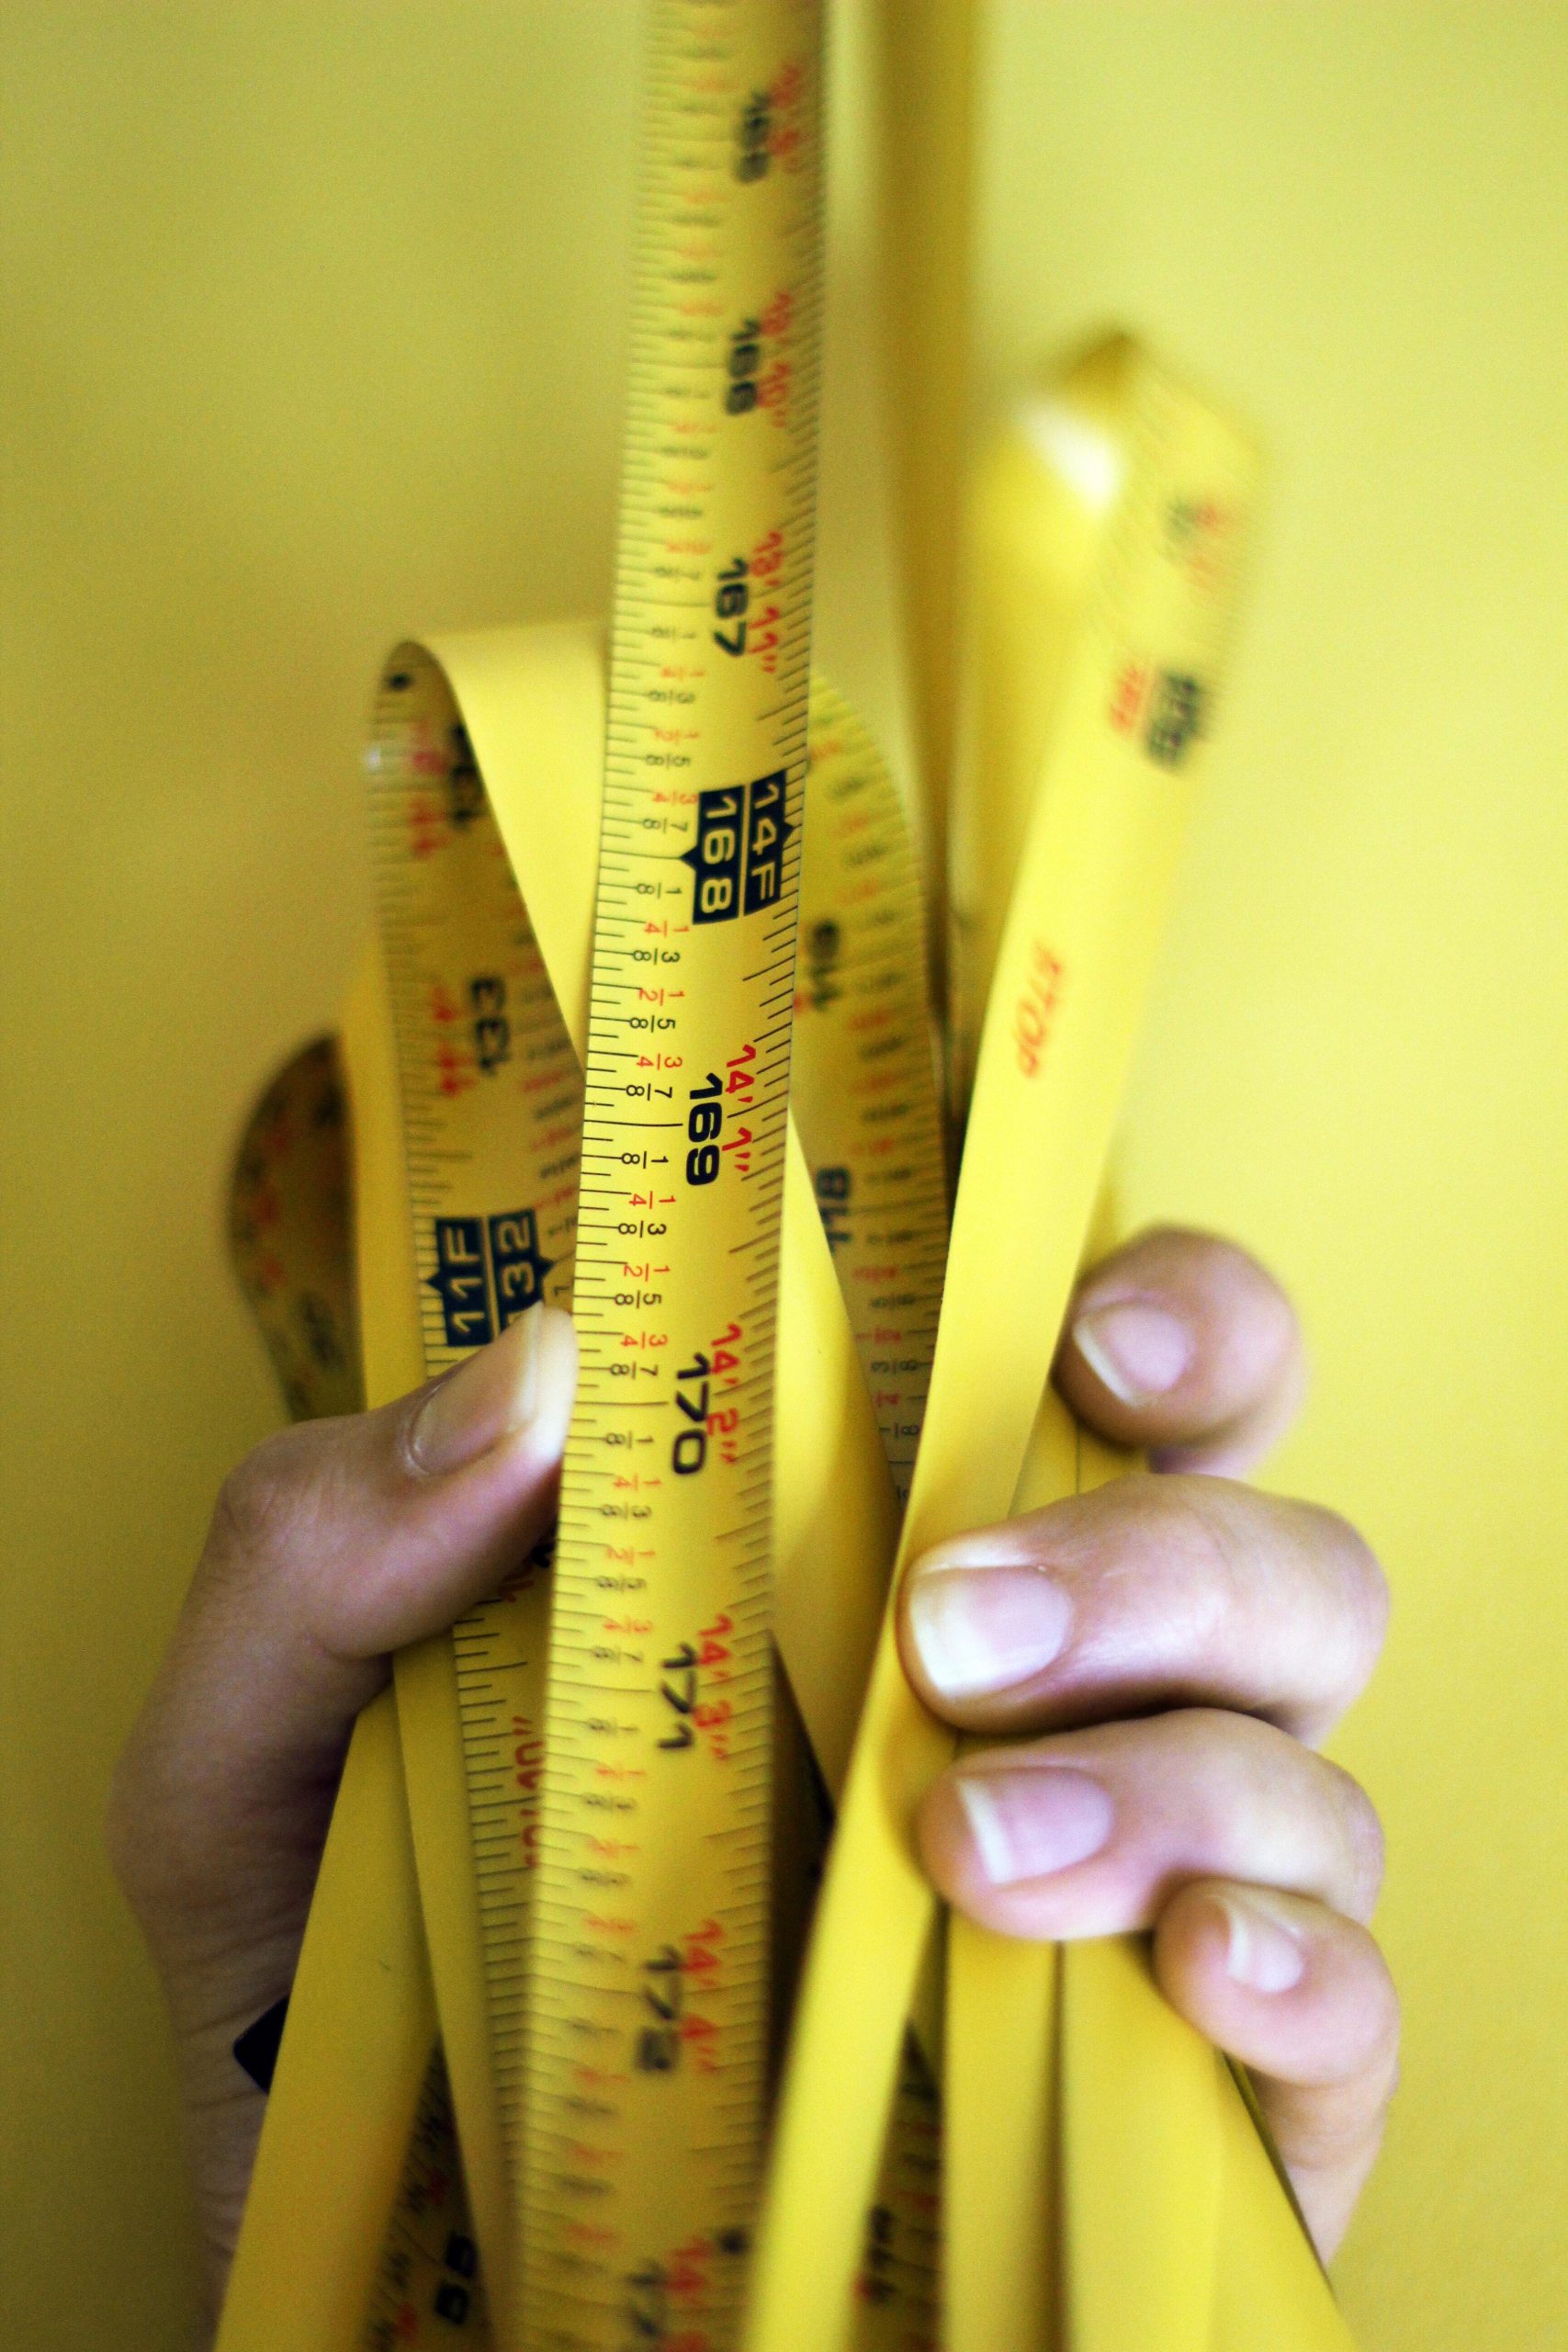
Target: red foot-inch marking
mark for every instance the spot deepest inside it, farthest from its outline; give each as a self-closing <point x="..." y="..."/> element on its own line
<point x="455" y="1077"/>
<point x="828" y="748"/>
<point x="1129" y="694"/>
<point x="265" y="1208"/>
<point x="701" y="1949"/>
<point x="687" y="2274"/>
<point x="584" y="2234"/>
<point x="786" y="91"/>
<point x="597" y="2078"/>
<point x="407" y="2323"/>
<point x="773" y="388"/>
<point x="1034" y="1013"/>
<point x="878" y="1019"/>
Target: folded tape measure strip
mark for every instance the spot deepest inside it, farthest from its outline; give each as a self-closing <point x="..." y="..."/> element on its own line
<point x="1072" y="966"/>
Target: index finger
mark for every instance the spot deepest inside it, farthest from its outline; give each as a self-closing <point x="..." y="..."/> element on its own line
<point x="1183" y="1344"/>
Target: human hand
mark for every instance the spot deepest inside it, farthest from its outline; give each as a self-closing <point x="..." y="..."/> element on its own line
<point x="337" y="1542"/>
<point x="333" y="1544"/>
<point x="1182" y="1641"/>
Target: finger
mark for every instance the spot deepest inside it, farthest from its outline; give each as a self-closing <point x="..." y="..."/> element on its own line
<point x="333" y="1544"/>
<point x="1182" y="1343"/>
<point x="1091" y="1833"/>
<point x="1305" y="1999"/>
<point x="1149" y="1592"/>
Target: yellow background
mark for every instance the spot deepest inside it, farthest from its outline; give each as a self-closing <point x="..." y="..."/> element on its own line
<point x="313" y="325"/>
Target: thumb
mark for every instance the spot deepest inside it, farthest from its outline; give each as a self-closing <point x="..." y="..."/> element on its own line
<point x="333" y="1544"/>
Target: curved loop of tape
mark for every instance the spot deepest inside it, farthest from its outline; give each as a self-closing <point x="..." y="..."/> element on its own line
<point x="1153" y="2146"/>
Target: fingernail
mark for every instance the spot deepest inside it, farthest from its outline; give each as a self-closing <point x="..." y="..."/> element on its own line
<point x="1264" y="1951"/>
<point x="979" y="1629"/>
<point x="1026" y="1825"/>
<point x="1137" y="1351"/>
<point x="523" y="1381"/>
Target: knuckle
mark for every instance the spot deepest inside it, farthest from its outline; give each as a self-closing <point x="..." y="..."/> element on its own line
<point x="1376" y="2057"/>
<point x="1329" y="2130"/>
<point x="1363" y="1588"/>
<point x="1170" y="1548"/>
<point x="263" y="1498"/>
<point x="1199" y="1568"/>
<point x="1362" y="1832"/>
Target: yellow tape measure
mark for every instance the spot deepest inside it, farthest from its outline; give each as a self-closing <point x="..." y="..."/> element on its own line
<point x="646" y="2018"/>
<point x="568" y="1862"/>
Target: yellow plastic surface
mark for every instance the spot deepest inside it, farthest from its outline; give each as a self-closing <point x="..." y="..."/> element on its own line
<point x="1358" y="220"/>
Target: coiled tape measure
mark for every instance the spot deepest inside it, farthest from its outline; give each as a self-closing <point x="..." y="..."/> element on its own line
<point x="560" y="1913"/>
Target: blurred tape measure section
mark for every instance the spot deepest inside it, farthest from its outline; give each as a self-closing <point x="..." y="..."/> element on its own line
<point x="569" y="1070"/>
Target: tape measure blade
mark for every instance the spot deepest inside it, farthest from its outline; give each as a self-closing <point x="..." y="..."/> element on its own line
<point x="1001" y="2111"/>
<point x="1075" y="958"/>
<point x="646" y="2018"/>
<point x="1000" y="2082"/>
<point x="1269" y="2287"/>
<point x="898" y="2294"/>
<point x="865" y="1091"/>
<point x="429" y="1723"/>
<point x="427" y="2288"/>
<point x="862" y="1967"/>
<point x="344" y="2098"/>
<point x="1142" y="2158"/>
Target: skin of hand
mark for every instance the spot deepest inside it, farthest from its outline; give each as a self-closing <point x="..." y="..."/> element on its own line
<point x="1173" y="1646"/>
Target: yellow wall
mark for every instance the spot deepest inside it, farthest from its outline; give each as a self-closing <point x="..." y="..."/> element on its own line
<point x="314" y="321"/>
